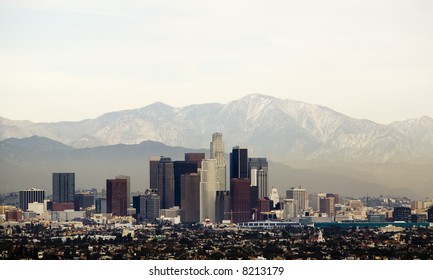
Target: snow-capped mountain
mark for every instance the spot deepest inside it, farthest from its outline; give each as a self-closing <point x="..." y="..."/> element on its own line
<point x="283" y="130"/>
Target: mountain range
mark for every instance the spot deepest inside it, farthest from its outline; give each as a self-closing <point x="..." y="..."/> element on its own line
<point x="299" y="136"/>
<point x="283" y="130"/>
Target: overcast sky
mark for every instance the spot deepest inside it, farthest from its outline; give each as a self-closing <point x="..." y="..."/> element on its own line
<point x="71" y="60"/>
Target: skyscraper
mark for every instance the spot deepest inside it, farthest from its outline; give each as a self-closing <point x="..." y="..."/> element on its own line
<point x="222" y="206"/>
<point x="240" y="192"/>
<point x="63" y="187"/>
<point x="117" y="194"/>
<point x="315" y="201"/>
<point x="153" y="172"/>
<point x="301" y="198"/>
<point x="208" y="188"/>
<point x="190" y="196"/>
<point x="290" y="208"/>
<point x="239" y="163"/>
<point x="165" y="186"/>
<point x="128" y="185"/>
<point x="217" y="152"/>
<point x="146" y="206"/>
<point x="327" y="205"/>
<point x="181" y="168"/>
<point x="30" y="196"/>
<point x="258" y="172"/>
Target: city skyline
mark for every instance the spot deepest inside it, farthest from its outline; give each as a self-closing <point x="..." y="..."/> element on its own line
<point x="365" y="59"/>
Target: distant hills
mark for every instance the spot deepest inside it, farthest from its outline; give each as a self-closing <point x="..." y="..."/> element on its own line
<point x="283" y="130"/>
<point x="306" y="144"/>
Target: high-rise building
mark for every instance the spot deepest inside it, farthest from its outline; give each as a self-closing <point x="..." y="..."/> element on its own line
<point x="222" y="206"/>
<point x="239" y="163"/>
<point x="165" y="186"/>
<point x="258" y="173"/>
<point x="190" y="197"/>
<point x="274" y="196"/>
<point x="208" y="187"/>
<point x="240" y="192"/>
<point x="290" y="208"/>
<point x="63" y="187"/>
<point x="263" y="206"/>
<point x="117" y="197"/>
<point x="146" y="206"/>
<point x="128" y="186"/>
<point x="301" y="198"/>
<point x="30" y="196"/>
<point x="315" y="201"/>
<point x="401" y="214"/>
<point x="327" y="205"/>
<point x="335" y="196"/>
<point x="181" y="168"/>
<point x="101" y="205"/>
<point x="153" y="172"/>
<point x="217" y="152"/>
<point x="195" y="157"/>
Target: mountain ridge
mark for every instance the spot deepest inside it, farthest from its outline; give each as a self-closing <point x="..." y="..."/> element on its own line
<point x="284" y="130"/>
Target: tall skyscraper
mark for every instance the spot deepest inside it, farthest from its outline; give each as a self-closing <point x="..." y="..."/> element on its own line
<point x="63" y="187"/>
<point x="240" y="192"/>
<point x="239" y="163"/>
<point x="208" y="188"/>
<point x="301" y="198"/>
<point x="190" y="196"/>
<point x="181" y="168"/>
<point x="258" y="172"/>
<point x="30" y="196"/>
<point x="128" y="185"/>
<point x="153" y="172"/>
<point x="165" y="186"/>
<point x="217" y="152"/>
<point x="117" y="194"/>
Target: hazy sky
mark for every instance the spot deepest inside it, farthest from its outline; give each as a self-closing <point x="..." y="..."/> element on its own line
<point x="70" y="60"/>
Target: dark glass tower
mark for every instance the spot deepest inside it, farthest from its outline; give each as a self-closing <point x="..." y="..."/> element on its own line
<point x="181" y="168"/>
<point x="166" y="183"/>
<point x="239" y="163"/>
<point x="63" y="187"/>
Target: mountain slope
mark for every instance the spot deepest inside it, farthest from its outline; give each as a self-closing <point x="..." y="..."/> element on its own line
<point x="283" y="130"/>
<point x="30" y="162"/>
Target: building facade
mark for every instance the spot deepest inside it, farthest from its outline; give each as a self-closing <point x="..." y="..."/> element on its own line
<point x="258" y="173"/>
<point x="117" y="197"/>
<point x="217" y="152"/>
<point x="190" y="198"/>
<point x="146" y="206"/>
<point x="300" y="196"/>
<point x="165" y="186"/>
<point x="181" y="168"/>
<point x="30" y="196"/>
<point x="240" y="192"/>
<point x="63" y="187"/>
<point x="239" y="163"/>
<point x="208" y="187"/>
